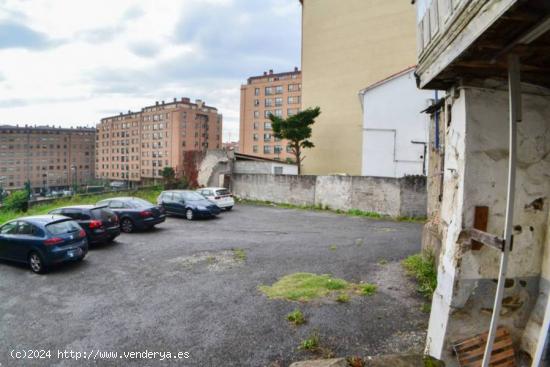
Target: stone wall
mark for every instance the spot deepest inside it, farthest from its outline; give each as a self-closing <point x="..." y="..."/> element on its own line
<point x="397" y="197"/>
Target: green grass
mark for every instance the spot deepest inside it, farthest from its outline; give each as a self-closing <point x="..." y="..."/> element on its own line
<point x="343" y="298"/>
<point x="37" y="209"/>
<point x="332" y="248"/>
<point x="239" y="254"/>
<point x="311" y="343"/>
<point x="422" y="267"/>
<point x="368" y="289"/>
<point x="426" y="308"/>
<point x="305" y="287"/>
<point x="382" y="262"/>
<point x="296" y="317"/>
<point x="351" y="212"/>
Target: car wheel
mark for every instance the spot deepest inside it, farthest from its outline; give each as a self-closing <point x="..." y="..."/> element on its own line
<point x="189" y="214"/>
<point x="126" y="225"/>
<point x="36" y="264"/>
<point x="228" y="208"/>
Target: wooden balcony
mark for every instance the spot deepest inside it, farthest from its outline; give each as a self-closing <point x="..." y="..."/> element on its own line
<point x="468" y="40"/>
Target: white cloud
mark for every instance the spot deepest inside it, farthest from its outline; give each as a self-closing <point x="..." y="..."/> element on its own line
<point x="71" y="62"/>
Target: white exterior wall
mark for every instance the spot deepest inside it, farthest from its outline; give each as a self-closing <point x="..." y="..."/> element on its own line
<point x="391" y="120"/>
<point x="476" y="162"/>
<point x="264" y="167"/>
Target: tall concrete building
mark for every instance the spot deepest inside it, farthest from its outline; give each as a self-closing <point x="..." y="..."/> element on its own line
<point x="136" y="146"/>
<point x="347" y="45"/>
<point x="278" y="94"/>
<point x="50" y="158"/>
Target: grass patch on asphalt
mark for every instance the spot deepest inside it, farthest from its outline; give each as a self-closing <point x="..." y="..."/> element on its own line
<point x="239" y="254"/>
<point x="311" y="343"/>
<point x="332" y="248"/>
<point x="305" y="287"/>
<point x="296" y="317"/>
<point x="382" y="262"/>
<point x="368" y="289"/>
<point x="422" y="268"/>
<point x="350" y="212"/>
<point x="38" y="209"/>
<point x="343" y="298"/>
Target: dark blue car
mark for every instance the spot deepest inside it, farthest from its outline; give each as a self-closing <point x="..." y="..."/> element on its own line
<point x="42" y="241"/>
<point x="134" y="213"/>
<point x="188" y="203"/>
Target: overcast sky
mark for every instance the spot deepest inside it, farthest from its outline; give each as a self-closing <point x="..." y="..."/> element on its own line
<point x="69" y="62"/>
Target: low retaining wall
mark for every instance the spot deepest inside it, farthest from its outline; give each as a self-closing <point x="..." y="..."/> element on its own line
<point x="396" y="197"/>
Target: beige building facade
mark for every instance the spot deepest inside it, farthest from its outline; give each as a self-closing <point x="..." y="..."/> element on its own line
<point x="136" y="146"/>
<point x="50" y="158"/>
<point x="278" y="94"/>
<point x="347" y="45"/>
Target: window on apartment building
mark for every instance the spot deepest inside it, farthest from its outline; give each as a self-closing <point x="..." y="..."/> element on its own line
<point x="267" y="137"/>
<point x="256" y="124"/>
<point x="256" y="114"/>
<point x="267" y="125"/>
<point x="294" y="99"/>
<point x="256" y="102"/>
<point x="255" y="137"/>
<point x="292" y="111"/>
<point x="294" y="87"/>
<point x="278" y="101"/>
<point x="278" y="112"/>
<point x="268" y="102"/>
<point x="269" y="91"/>
<point x="277" y="149"/>
<point x="267" y="113"/>
<point x="279" y="89"/>
<point x="289" y="148"/>
<point x="267" y="149"/>
<point x="278" y="170"/>
<point x="256" y="91"/>
<point x="255" y="148"/>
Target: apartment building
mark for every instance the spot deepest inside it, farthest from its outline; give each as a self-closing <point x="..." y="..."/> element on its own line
<point x="278" y="94"/>
<point x="135" y="147"/>
<point x="50" y="158"/>
<point x="347" y="45"/>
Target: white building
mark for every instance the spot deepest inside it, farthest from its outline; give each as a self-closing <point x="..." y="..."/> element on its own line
<point x="394" y="130"/>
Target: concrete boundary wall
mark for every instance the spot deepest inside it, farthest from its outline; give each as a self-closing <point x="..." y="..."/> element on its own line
<point x="396" y="197"/>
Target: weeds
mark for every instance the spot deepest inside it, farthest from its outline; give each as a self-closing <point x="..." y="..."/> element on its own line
<point x="342" y="298"/>
<point x="310" y="344"/>
<point x="426" y="307"/>
<point x="355" y="362"/>
<point x="239" y="254"/>
<point x="332" y="248"/>
<point x="382" y="262"/>
<point x="296" y="317"/>
<point x="422" y="267"/>
<point x="368" y="289"/>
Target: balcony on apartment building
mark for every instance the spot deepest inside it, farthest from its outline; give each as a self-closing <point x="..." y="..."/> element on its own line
<point x="468" y="40"/>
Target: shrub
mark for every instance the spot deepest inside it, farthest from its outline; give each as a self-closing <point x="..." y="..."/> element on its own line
<point x="18" y="201"/>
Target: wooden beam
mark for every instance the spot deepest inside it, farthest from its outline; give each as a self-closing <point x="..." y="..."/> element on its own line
<point x="488" y="239"/>
<point x="481" y="219"/>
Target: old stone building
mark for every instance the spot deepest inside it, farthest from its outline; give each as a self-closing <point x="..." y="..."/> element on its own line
<point x="489" y="174"/>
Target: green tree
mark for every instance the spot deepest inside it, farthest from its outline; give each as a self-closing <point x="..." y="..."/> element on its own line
<point x="297" y="130"/>
<point x="168" y="174"/>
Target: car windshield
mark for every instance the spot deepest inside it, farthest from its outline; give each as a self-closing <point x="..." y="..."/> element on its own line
<point x="66" y="226"/>
<point x="190" y="195"/>
<point x="138" y="203"/>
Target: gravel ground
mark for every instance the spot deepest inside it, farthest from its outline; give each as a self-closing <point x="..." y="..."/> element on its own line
<point x="178" y="288"/>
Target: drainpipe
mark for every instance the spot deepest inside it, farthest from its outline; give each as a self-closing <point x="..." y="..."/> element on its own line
<point x="514" y="93"/>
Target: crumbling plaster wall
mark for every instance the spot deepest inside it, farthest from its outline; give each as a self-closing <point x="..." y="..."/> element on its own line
<point x="475" y="174"/>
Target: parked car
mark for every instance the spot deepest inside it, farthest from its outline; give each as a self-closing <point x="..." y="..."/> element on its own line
<point x="188" y="203"/>
<point x="219" y="196"/>
<point x="134" y="213"/>
<point x="99" y="222"/>
<point x="42" y="241"/>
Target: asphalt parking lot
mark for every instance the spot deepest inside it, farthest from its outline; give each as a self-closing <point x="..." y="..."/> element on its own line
<point x="178" y="288"/>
